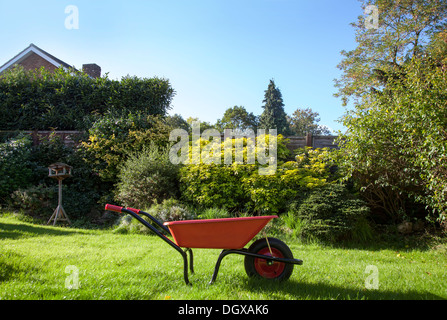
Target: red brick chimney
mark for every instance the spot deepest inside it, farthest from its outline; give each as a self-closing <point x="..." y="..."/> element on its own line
<point x="92" y="69"/>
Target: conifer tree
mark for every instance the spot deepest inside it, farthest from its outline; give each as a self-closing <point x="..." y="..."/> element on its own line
<point x="273" y="116"/>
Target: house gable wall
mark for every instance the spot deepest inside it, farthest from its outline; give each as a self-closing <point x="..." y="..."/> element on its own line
<point x="34" y="61"/>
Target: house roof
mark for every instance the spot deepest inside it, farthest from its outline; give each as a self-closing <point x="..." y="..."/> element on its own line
<point x="32" y="48"/>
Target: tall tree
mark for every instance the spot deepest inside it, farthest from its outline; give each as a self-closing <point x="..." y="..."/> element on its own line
<point x="273" y="116"/>
<point x="304" y="121"/>
<point x="203" y="124"/>
<point x="404" y="27"/>
<point x="396" y="142"/>
<point x="237" y="118"/>
<point x="176" y="121"/>
<point x="437" y="48"/>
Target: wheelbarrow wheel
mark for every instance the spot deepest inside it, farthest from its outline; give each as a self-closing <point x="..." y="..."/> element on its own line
<point x="257" y="267"/>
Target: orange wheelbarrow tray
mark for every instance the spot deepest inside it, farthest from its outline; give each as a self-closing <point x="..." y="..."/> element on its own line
<point x="266" y="258"/>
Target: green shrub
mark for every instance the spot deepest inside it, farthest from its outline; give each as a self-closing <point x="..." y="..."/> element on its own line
<point x="235" y="186"/>
<point x="168" y="210"/>
<point x="320" y="161"/>
<point x="292" y="223"/>
<point x="271" y="194"/>
<point x="148" y="177"/>
<point x="39" y="199"/>
<point x="80" y="204"/>
<point x="240" y="187"/>
<point x="82" y="190"/>
<point x="171" y="210"/>
<point x="16" y="167"/>
<point x="212" y="185"/>
<point x="331" y="213"/>
<point x="214" y="213"/>
<point x="113" y="137"/>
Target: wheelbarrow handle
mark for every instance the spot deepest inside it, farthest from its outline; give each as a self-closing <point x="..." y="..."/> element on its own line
<point x="141" y="212"/>
<point x="111" y="207"/>
<point x="137" y="211"/>
<point x="133" y="213"/>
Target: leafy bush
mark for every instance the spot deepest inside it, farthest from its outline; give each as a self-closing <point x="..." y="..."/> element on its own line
<point x="320" y="161"/>
<point x="272" y="193"/>
<point x="168" y="210"/>
<point x="39" y="199"/>
<point x="214" y="213"/>
<point x="83" y="189"/>
<point x="330" y="213"/>
<point x="147" y="178"/>
<point x="208" y="185"/>
<point x="293" y="224"/>
<point x="16" y="167"/>
<point x="212" y="185"/>
<point x="291" y="181"/>
<point x="113" y="137"/>
<point x="171" y="210"/>
<point x="240" y="187"/>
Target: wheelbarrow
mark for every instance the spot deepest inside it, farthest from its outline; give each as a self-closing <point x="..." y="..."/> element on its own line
<point x="267" y="257"/>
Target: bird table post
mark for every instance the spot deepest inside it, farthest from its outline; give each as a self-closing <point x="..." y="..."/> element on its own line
<point x="59" y="171"/>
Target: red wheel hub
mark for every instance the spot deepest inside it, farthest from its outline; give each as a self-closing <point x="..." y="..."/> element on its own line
<point x="269" y="269"/>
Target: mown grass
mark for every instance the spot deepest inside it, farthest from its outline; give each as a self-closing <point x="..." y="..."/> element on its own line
<point x="34" y="260"/>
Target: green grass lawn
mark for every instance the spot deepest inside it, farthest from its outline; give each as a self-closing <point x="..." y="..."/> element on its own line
<point x="39" y="262"/>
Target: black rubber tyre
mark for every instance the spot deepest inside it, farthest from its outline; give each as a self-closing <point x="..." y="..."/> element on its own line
<point x="255" y="267"/>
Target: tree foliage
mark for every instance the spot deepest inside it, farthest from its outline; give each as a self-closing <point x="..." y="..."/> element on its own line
<point x="237" y="118"/>
<point x="304" y="121"/>
<point x="396" y="146"/>
<point x="273" y="116"/>
<point x="404" y="28"/>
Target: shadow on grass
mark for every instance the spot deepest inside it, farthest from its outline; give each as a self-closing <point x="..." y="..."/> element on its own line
<point x="325" y="291"/>
<point x="401" y="243"/>
<point x="17" y="231"/>
<point x="9" y="268"/>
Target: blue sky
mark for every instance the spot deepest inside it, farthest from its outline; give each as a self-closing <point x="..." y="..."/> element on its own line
<point x="215" y="53"/>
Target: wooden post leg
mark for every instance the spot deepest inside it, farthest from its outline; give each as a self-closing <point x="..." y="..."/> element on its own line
<point x="65" y="215"/>
<point x="59" y="213"/>
<point x="52" y="216"/>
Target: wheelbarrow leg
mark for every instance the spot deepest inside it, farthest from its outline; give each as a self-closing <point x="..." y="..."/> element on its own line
<point x="216" y="268"/>
<point x="219" y="260"/>
<point x="185" y="267"/>
<point x="165" y="239"/>
<point x="191" y="260"/>
<point x="134" y="214"/>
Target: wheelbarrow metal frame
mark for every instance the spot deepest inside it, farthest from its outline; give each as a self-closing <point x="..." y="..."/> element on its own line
<point x="182" y="252"/>
<point x="136" y="212"/>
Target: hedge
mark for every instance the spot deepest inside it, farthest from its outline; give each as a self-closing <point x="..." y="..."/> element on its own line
<point x="71" y="100"/>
